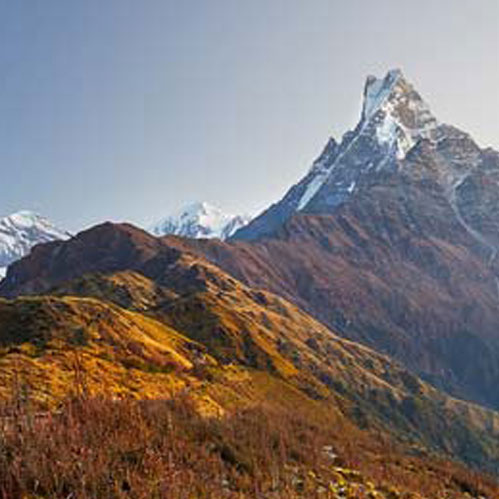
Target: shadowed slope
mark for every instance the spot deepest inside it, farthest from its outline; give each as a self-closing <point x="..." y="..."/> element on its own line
<point x="407" y="281"/>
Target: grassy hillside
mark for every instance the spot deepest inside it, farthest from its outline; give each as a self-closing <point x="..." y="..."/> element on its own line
<point x="123" y="341"/>
<point x="210" y="343"/>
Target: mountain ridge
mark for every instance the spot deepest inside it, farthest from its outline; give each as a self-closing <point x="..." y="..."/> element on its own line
<point x="395" y="127"/>
<point x="403" y="259"/>
<point x="414" y="210"/>
<point x="370" y="290"/>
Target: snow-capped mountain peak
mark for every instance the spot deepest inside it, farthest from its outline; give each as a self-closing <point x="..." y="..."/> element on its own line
<point x="376" y="91"/>
<point x="396" y="134"/>
<point x="200" y="220"/>
<point x="394" y="119"/>
<point x="21" y="231"/>
<point x="397" y="113"/>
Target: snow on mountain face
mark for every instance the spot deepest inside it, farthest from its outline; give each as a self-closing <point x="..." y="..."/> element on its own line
<point x="394" y="119"/>
<point x="200" y="220"/>
<point x="20" y="232"/>
<point x="397" y="111"/>
<point x="396" y="133"/>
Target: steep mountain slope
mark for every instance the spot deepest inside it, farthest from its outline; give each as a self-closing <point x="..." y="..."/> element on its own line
<point x="428" y="300"/>
<point x="234" y="330"/>
<point x="390" y="239"/>
<point x="20" y="232"/>
<point x="397" y="133"/>
<point x="200" y="220"/>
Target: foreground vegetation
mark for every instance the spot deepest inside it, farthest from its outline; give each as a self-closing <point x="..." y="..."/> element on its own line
<point x="103" y="448"/>
<point x="137" y="389"/>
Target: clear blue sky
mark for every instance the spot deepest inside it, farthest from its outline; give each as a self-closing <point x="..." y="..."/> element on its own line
<point x="127" y="109"/>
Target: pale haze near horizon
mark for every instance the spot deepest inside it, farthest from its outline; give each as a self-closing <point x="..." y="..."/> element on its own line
<point x="125" y="111"/>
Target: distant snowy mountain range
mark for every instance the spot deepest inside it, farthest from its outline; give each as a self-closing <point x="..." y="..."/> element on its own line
<point x="21" y="231"/>
<point x="200" y="220"/>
